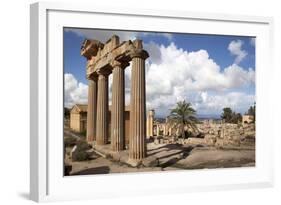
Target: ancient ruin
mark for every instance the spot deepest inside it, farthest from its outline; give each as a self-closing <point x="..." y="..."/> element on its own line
<point x="149" y="126"/>
<point x="112" y="58"/>
<point x="102" y="138"/>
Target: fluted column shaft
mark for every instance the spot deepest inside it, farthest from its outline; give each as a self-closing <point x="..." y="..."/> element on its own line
<point x="147" y="127"/>
<point x="157" y="130"/>
<point x="102" y="110"/>
<point x="92" y="110"/>
<point x="117" y="112"/>
<point x="137" y="148"/>
<point x="151" y="125"/>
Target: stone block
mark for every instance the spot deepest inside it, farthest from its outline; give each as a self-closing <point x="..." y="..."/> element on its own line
<point x="115" y="156"/>
<point x="156" y="141"/>
<point x="194" y="140"/>
<point x="151" y="161"/>
<point x="219" y="143"/>
<point x="133" y="162"/>
<point x="124" y="156"/>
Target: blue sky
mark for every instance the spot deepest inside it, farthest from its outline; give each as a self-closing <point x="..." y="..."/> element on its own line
<point x="210" y="71"/>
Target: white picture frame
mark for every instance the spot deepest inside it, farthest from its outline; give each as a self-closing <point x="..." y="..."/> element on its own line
<point x="47" y="182"/>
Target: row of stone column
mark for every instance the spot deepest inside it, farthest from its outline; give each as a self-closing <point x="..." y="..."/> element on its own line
<point x="97" y="118"/>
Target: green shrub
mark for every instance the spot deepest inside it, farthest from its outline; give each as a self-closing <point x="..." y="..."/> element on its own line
<point x="70" y="141"/>
<point x="82" y="145"/>
<point x="81" y="154"/>
<point x="83" y="133"/>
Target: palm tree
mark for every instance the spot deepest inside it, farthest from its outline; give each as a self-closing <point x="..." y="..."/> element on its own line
<point x="183" y="115"/>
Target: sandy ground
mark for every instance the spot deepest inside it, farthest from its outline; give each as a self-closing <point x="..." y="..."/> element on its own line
<point x="171" y="157"/>
<point x="213" y="158"/>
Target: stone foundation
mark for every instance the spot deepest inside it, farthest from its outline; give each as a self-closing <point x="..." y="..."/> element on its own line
<point x="123" y="157"/>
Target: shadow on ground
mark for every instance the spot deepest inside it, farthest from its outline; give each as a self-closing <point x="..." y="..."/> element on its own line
<point x="95" y="170"/>
<point x="172" y="158"/>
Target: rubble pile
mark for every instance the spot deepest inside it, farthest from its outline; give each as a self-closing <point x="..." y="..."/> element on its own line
<point x="216" y="134"/>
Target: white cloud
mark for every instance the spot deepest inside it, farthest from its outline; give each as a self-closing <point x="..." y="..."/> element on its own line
<point x="154" y="52"/>
<point x="237" y="76"/>
<point x="235" y="48"/>
<point x="212" y="104"/>
<point x="193" y="71"/>
<point x="173" y="74"/>
<point x="193" y="76"/>
<point x="74" y="92"/>
<point x="77" y="92"/>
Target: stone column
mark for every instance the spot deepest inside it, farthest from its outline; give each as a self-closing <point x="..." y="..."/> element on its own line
<point x="157" y="130"/>
<point x="118" y="108"/>
<point x="147" y="126"/>
<point x="166" y="127"/>
<point x="102" y="110"/>
<point x="170" y="131"/>
<point x="137" y="148"/>
<point x="164" y="130"/>
<point x="92" y="110"/>
<point x="150" y="119"/>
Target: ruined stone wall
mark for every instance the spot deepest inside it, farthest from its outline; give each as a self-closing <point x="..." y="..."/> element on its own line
<point x="216" y="134"/>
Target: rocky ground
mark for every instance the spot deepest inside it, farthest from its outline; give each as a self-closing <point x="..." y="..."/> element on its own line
<point x="197" y="158"/>
<point x="177" y="154"/>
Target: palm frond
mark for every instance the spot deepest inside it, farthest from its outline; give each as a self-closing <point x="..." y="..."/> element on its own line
<point x="183" y="115"/>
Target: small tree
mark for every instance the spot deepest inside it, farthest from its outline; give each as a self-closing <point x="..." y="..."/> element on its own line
<point x="231" y="117"/>
<point x="183" y="115"/>
<point x="226" y="114"/>
<point x="252" y="111"/>
<point x="236" y="118"/>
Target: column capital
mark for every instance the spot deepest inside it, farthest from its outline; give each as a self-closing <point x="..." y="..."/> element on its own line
<point x="139" y="53"/>
<point x="93" y="77"/>
<point x="116" y="63"/>
<point x="103" y="72"/>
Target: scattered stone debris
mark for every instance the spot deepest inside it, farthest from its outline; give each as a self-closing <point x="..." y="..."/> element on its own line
<point x="219" y="145"/>
<point x="217" y="135"/>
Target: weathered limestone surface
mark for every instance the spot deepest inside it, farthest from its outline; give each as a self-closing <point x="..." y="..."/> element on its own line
<point x="219" y="135"/>
<point x="102" y="110"/>
<point x="102" y="60"/>
<point x="137" y="148"/>
<point x="117" y="117"/>
<point x="92" y="110"/>
<point x="150" y="120"/>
